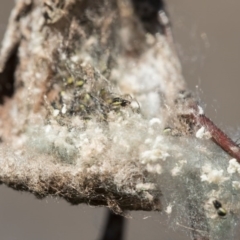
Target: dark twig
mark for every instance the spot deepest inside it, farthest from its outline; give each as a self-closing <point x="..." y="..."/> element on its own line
<point x="114" y="229"/>
<point x="217" y="135"/>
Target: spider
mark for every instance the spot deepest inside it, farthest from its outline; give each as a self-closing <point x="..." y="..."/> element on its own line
<point x="220" y="210"/>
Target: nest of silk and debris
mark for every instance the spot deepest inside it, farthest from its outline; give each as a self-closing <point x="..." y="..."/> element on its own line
<point x="77" y="136"/>
<point x="63" y="125"/>
<point x="129" y="160"/>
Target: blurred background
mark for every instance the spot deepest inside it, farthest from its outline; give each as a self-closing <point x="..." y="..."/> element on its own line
<point x="207" y="39"/>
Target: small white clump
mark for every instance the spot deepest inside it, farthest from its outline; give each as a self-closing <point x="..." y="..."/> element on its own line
<point x="176" y="171"/>
<point x="135" y="105"/>
<point x="151" y="156"/>
<point x="150" y="39"/>
<point x="178" y="168"/>
<point x="75" y="58"/>
<point x="154" y="121"/>
<point x="63" y="56"/>
<point x="148" y="196"/>
<point x="212" y="175"/>
<point x="156" y="168"/>
<point x="202" y="133"/>
<point x="145" y="186"/>
<point x="200" y="110"/>
<point x="169" y="209"/>
<point x="55" y="112"/>
<point x="233" y="167"/>
<point x="48" y="128"/>
<point x="64" y="109"/>
<point x="236" y="185"/>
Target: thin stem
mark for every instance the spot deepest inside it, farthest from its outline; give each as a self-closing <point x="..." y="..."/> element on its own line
<point x="115" y="225"/>
<point x="217" y="135"/>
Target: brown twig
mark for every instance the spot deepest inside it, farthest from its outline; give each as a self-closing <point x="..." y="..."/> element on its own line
<point x="217" y="135"/>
